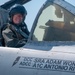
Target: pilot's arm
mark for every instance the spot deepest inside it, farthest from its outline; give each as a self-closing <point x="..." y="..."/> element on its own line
<point x="10" y="40"/>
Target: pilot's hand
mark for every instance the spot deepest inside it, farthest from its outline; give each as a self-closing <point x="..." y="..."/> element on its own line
<point x="21" y="43"/>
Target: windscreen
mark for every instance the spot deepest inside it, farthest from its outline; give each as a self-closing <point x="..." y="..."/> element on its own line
<point x="55" y="24"/>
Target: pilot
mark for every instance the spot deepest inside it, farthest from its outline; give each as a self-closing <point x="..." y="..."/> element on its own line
<point x="15" y="33"/>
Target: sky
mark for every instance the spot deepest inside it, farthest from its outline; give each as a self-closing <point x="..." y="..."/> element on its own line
<point x="32" y="8"/>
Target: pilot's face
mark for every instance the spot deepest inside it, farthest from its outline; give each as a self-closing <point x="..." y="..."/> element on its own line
<point x="17" y="18"/>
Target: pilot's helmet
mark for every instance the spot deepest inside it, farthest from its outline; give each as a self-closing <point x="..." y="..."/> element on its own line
<point x="17" y="9"/>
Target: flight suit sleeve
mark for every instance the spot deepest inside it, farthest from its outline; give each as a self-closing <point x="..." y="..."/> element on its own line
<point x="10" y="40"/>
